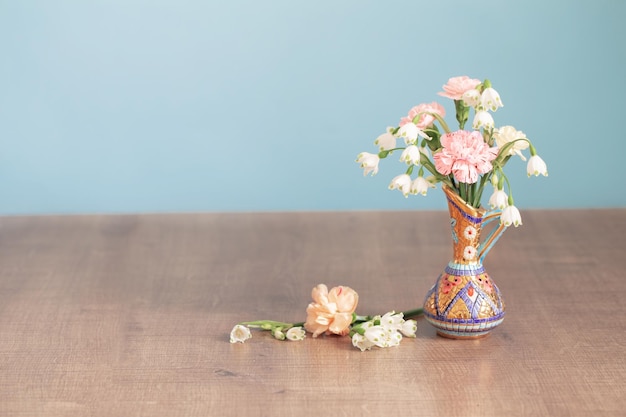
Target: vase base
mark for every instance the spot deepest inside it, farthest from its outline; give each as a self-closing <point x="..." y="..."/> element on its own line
<point x="463" y="328"/>
<point x="462" y="336"/>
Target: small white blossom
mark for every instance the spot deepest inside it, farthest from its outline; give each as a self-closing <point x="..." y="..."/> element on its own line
<point x="420" y="185"/>
<point x="483" y="119"/>
<point x="498" y="199"/>
<point x="386" y="141"/>
<point x="387" y="333"/>
<point x="361" y="342"/>
<point x="402" y="183"/>
<point x="410" y="132"/>
<point x="376" y="335"/>
<point x="392" y="320"/>
<point x="409" y="328"/>
<point x="471" y="98"/>
<point x="507" y="134"/>
<point x="511" y="216"/>
<point x="411" y="155"/>
<point x="536" y="166"/>
<point x="240" y="334"/>
<point x="393" y="338"/>
<point x="369" y="162"/>
<point x="383" y="337"/>
<point x="296" y="333"/>
<point x="490" y="100"/>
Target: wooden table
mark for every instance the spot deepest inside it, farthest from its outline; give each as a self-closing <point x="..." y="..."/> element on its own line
<point x="130" y="316"/>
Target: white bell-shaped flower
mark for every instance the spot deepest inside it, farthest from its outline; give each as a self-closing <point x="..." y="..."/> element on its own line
<point x="369" y="162"/>
<point x="499" y="199"/>
<point x="411" y="155"/>
<point x="410" y="132"/>
<point x="536" y="166"/>
<point x="401" y="182"/>
<point x="490" y="100"/>
<point x="386" y="141"/>
<point x="483" y="119"/>
<point x="511" y="216"/>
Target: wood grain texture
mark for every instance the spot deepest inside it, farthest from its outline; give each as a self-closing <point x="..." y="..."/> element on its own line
<point x="130" y="316"/>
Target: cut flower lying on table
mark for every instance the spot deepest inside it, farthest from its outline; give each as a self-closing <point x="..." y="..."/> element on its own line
<point x="334" y="313"/>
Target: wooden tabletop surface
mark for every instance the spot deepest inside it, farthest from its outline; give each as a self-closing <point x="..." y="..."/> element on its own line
<point x="130" y="315"/>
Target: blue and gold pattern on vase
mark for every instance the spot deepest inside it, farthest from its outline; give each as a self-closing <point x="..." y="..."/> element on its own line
<point x="465" y="303"/>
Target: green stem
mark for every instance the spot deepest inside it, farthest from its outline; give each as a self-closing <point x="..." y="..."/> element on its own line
<point x="506" y="148"/>
<point x="385" y="153"/>
<point x="267" y="324"/>
<point x="361" y="319"/>
<point x="406" y="314"/>
<point x="478" y="196"/>
<point x="463" y="191"/>
<point x="441" y="122"/>
<point x="431" y="168"/>
<point x="470" y="194"/>
<point x="413" y="313"/>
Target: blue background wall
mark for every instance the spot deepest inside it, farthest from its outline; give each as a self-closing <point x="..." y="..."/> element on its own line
<point x="150" y="106"/>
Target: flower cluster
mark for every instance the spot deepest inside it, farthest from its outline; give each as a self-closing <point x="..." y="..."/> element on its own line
<point x="385" y="331"/>
<point x="463" y="160"/>
<point x="332" y="312"/>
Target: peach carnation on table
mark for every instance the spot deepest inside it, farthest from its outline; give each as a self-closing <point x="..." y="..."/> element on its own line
<point x="457" y="86"/>
<point x="465" y="155"/>
<point x="331" y="311"/>
<point x="425" y="120"/>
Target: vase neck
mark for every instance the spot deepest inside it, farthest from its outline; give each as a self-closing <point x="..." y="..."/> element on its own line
<point x="466" y="224"/>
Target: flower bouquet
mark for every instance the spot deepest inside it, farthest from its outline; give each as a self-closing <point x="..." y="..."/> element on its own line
<point x="464" y="161"/>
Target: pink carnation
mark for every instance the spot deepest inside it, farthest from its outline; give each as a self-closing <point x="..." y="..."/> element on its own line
<point x="457" y="86"/>
<point x="425" y="120"/>
<point x="465" y="155"/>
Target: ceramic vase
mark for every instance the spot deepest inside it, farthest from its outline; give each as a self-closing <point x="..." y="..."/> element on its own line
<point x="464" y="302"/>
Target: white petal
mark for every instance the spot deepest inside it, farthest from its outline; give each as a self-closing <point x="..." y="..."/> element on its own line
<point x="483" y="119"/>
<point x="402" y="183"/>
<point x="536" y="166"/>
<point x="369" y="162"/>
<point x="377" y="335"/>
<point x="490" y="99"/>
<point x="240" y="334"/>
<point x="296" y="333"/>
<point x="471" y="98"/>
<point x="386" y="141"/>
<point x="511" y="216"/>
<point x="409" y="132"/>
<point x="411" y="155"/>
<point x="361" y="342"/>
<point x="409" y="327"/>
<point x="498" y="199"/>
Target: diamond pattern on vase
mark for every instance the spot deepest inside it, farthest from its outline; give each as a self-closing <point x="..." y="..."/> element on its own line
<point x="467" y="302"/>
<point x="458" y="310"/>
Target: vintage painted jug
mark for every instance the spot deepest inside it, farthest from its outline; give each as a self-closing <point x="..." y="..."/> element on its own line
<point x="465" y="303"/>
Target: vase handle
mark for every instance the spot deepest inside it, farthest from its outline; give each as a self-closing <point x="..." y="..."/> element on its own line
<point x="493" y="236"/>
